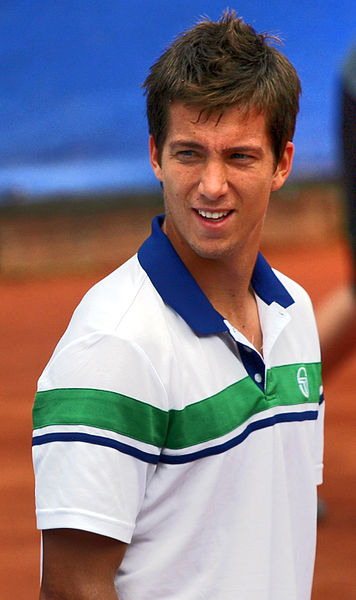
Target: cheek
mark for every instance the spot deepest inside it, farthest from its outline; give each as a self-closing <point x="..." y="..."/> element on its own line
<point x="262" y="188"/>
<point x="171" y="196"/>
<point x="257" y="199"/>
<point x="176" y="188"/>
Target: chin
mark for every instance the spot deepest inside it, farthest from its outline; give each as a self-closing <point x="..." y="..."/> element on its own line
<point x="212" y="253"/>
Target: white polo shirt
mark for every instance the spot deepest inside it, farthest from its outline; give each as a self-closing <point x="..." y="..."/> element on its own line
<point x="157" y="423"/>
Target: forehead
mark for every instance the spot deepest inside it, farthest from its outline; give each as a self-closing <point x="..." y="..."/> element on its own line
<point x="229" y="124"/>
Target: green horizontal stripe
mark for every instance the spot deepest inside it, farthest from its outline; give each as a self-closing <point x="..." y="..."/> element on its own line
<point x="282" y="383"/>
<point x="222" y="413"/>
<point x="208" y="419"/>
<point x="103" y="409"/>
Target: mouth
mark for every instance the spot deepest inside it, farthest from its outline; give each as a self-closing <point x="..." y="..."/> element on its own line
<point x="214" y="216"/>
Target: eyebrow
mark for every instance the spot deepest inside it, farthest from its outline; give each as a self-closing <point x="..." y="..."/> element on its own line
<point x="178" y="143"/>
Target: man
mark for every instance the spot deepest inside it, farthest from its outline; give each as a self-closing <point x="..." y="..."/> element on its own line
<point x="178" y="425"/>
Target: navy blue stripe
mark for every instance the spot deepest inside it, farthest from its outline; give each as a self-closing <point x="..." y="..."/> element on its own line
<point x="309" y="415"/>
<point x="97" y="440"/>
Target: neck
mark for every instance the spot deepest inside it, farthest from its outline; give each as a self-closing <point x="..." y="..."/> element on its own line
<point x="230" y="292"/>
<point x="226" y="282"/>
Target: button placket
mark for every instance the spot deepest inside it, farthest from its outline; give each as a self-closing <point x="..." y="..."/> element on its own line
<point x="251" y="359"/>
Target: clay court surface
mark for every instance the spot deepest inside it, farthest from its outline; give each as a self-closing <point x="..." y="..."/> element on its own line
<point x="35" y="311"/>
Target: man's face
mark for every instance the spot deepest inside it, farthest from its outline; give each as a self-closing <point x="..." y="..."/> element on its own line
<point x="217" y="176"/>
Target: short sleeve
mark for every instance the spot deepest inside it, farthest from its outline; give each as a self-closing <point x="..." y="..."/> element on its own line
<point x="100" y="421"/>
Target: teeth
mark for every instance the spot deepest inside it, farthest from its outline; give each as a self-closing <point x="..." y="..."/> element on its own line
<point x="213" y="215"/>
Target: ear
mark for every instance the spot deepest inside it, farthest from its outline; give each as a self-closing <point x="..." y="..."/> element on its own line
<point x="283" y="168"/>
<point x="154" y="159"/>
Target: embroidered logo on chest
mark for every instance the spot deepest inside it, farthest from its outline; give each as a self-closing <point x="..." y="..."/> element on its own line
<point x="303" y="383"/>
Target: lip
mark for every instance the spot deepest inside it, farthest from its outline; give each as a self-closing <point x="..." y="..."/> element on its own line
<point x="210" y="222"/>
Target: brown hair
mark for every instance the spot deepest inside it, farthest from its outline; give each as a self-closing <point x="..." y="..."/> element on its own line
<point x="214" y="65"/>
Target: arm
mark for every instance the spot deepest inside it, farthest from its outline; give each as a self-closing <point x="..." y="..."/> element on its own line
<point x="78" y="565"/>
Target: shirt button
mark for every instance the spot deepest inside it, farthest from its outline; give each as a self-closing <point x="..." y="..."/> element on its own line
<point x="258" y="378"/>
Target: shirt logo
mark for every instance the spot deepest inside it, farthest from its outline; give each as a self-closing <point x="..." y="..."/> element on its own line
<point x="302" y="379"/>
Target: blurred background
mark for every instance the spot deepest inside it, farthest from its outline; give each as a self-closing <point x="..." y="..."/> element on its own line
<point x="73" y="113"/>
<point x="77" y="196"/>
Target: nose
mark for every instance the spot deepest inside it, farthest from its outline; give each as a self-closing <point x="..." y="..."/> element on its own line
<point x="213" y="181"/>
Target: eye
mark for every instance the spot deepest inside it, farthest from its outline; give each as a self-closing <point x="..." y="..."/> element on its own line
<point x="239" y="156"/>
<point x="186" y="156"/>
<point x="186" y="153"/>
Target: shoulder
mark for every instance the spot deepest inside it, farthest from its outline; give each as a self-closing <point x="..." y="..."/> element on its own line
<point x="124" y="296"/>
<point x="117" y="330"/>
<point x="108" y="300"/>
<point x="301" y="312"/>
<point x="299" y="294"/>
<point x="299" y="342"/>
<point x="103" y="349"/>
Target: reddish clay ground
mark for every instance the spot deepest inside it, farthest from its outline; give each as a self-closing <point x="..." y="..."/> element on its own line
<point x="34" y="314"/>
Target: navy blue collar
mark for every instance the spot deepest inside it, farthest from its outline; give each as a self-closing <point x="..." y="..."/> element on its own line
<point x="178" y="288"/>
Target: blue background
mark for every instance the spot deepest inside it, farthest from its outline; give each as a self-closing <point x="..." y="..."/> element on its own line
<point x="72" y="108"/>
